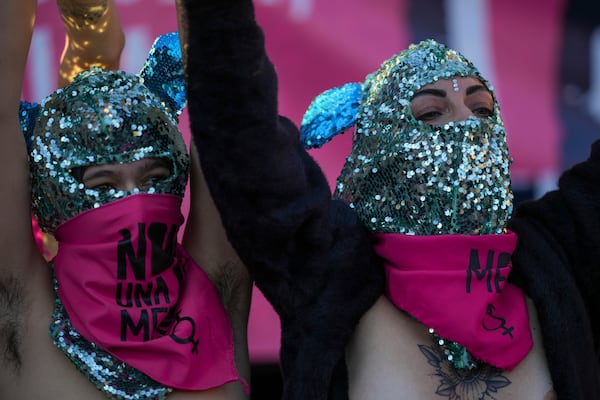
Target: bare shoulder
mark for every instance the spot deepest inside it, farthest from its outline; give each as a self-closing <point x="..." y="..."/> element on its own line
<point x="391" y="356"/>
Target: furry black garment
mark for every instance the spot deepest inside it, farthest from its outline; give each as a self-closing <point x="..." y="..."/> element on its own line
<point x="557" y="263"/>
<point x="309" y="255"/>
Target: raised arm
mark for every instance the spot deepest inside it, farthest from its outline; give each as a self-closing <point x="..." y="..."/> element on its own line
<point x="309" y="255"/>
<point x="206" y="241"/>
<point x="16" y="239"/>
<point x="93" y="38"/>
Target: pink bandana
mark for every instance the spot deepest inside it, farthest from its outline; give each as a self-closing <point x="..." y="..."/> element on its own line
<point x="131" y="289"/>
<point x="456" y="284"/>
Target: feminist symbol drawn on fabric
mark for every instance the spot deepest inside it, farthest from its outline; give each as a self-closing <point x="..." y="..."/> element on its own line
<point x="190" y="339"/>
<point x="499" y="322"/>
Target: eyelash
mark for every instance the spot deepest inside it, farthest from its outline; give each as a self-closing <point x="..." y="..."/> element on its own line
<point x="148" y="181"/>
<point x="103" y="187"/>
<point x="487" y="112"/>
<point x="481" y="112"/>
<point x="428" y="116"/>
<point x="156" y="178"/>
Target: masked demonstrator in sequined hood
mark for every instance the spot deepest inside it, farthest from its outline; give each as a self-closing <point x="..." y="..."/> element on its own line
<point x="469" y="308"/>
<point x="408" y="175"/>
<point x="429" y="175"/>
<point x="133" y="310"/>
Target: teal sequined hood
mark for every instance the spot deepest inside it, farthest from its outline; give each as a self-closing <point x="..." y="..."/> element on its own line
<point x="403" y="175"/>
<point x="106" y="117"/>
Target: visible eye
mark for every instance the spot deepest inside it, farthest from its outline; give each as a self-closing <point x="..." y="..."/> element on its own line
<point x="483" y="112"/>
<point x="428" y="116"/>
<point x="99" y="178"/>
<point x="429" y="106"/>
<point x="153" y="180"/>
<point x="481" y="103"/>
<point x="102" y="187"/>
<point x="157" y="174"/>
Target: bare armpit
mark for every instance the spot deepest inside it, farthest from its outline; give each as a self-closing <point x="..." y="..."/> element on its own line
<point x="11" y="322"/>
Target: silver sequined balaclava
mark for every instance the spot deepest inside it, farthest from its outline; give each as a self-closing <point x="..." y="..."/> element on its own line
<point x="403" y="175"/>
<point x="102" y="117"/>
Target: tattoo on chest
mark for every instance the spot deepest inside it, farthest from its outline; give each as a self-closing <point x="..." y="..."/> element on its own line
<point x="480" y="383"/>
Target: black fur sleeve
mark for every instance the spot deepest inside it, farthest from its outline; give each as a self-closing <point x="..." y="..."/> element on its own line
<point x="557" y="263"/>
<point x="308" y="254"/>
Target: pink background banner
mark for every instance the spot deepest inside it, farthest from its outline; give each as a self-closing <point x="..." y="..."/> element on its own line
<point x="319" y="44"/>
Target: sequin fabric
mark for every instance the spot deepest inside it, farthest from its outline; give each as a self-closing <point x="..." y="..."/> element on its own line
<point x="405" y="176"/>
<point x="454" y="352"/>
<point x="28" y="114"/>
<point x="105" y="117"/>
<point x="113" y="377"/>
<point x="329" y="114"/>
<point x="163" y="72"/>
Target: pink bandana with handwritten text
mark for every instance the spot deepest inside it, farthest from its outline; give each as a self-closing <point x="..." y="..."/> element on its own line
<point x="457" y="285"/>
<point x="131" y="289"/>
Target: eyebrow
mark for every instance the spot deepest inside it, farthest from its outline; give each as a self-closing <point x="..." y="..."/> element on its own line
<point x="431" y="92"/>
<point x="476" y="88"/>
<point x="442" y="93"/>
<point x="163" y="164"/>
